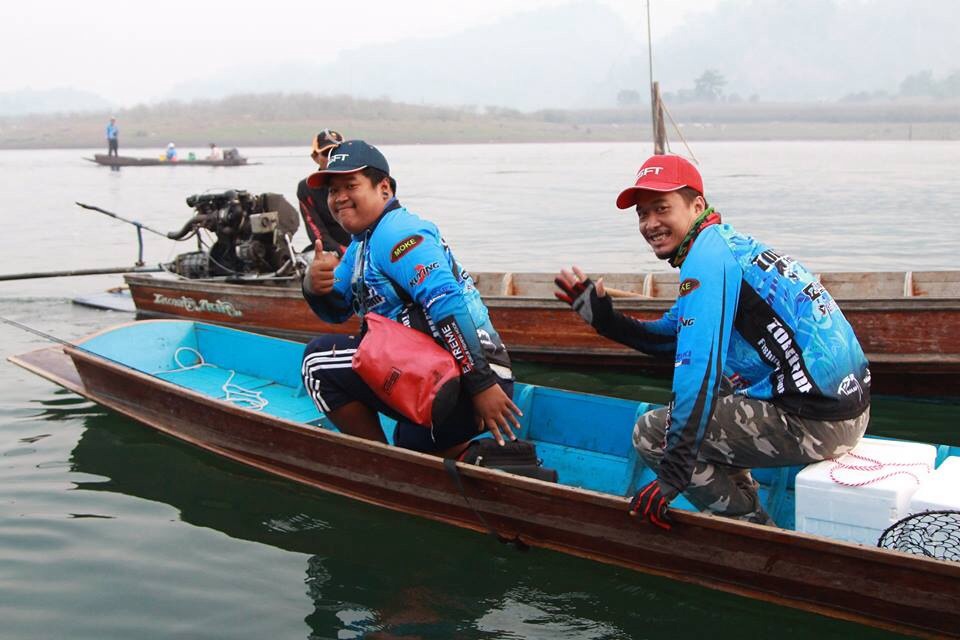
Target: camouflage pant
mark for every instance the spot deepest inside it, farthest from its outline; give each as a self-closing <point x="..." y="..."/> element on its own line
<point x="746" y="433"/>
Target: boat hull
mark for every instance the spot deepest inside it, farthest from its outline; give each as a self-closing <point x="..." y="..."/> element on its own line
<point x="876" y="587"/>
<point x="128" y="161"/>
<point x="913" y="344"/>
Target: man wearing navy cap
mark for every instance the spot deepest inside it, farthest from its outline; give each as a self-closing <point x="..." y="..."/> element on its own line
<point x="313" y="200"/>
<point x="767" y="371"/>
<point x="398" y="265"/>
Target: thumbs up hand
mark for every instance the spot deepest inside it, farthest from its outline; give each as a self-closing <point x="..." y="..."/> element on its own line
<point x="320" y="277"/>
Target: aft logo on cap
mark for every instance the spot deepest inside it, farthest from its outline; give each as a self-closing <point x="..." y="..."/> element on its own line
<point x="654" y="170"/>
<point x="338" y="157"/>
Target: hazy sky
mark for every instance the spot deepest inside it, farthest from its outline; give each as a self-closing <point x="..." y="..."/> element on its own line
<point x="134" y="51"/>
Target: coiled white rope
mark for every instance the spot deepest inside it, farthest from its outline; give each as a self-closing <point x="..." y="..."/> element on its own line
<point x="233" y="393"/>
<point x="875" y="466"/>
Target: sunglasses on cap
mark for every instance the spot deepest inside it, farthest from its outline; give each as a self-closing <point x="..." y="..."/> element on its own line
<point x="325" y="142"/>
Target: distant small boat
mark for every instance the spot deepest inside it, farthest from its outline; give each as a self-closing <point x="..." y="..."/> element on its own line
<point x="128" y="161"/>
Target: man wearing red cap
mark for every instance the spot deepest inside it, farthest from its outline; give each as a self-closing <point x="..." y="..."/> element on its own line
<point x="767" y="371"/>
<point x="313" y="200"/>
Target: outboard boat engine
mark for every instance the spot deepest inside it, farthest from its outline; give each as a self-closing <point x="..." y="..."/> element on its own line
<point x="253" y="236"/>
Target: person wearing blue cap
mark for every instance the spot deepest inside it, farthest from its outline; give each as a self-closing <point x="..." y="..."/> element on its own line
<point x="398" y="266"/>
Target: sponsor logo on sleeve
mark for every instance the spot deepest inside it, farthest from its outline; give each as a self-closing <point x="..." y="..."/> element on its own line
<point x="421" y="273"/>
<point x="687" y="322"/>
<point x="405" y="246"/>
<point x="682" y="359"/>
<point x="688" y="286"/>
<point x="814" y="290"/>
<point x="792" y="359"/>
<point x="770" y="259"/>
<point x="849" y="386"/>
<point x="373" y="298"/>
<point x="456" y="344"/>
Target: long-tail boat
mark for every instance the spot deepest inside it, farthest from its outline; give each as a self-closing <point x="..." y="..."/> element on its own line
<point x="179" y="377"/>
<point x="907" y="322"/>
<point x="130" y="161"/>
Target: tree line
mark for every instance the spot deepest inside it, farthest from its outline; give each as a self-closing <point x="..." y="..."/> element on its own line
<point x="710" y="86"/>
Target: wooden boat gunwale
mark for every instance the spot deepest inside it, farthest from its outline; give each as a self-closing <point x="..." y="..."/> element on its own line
<point x="912" y="342"/>
<point x="771" y="561"/>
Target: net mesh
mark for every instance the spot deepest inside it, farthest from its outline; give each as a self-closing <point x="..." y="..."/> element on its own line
<point x="934" y="534"/>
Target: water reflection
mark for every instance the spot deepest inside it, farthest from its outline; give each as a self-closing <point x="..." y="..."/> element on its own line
<point x="371" y="573"/>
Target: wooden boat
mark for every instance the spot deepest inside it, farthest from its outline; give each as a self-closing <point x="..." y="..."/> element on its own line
<point x="907" y="322"/>
<point x="129" y="161"/>
<point x="143" y="370"/>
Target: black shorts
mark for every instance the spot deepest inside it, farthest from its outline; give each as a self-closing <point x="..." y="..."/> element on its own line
<point x="329" y="378"/>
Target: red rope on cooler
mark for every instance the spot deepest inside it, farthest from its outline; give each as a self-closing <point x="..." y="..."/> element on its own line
<point x="874" y="465"/>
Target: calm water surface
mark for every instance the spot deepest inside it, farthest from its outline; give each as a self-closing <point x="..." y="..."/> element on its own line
<point x="108" y="530"/>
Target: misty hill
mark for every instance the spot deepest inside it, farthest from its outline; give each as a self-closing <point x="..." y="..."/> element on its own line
<point x="14" y="103"/>
<point x="559" y="56"/>
<point x="815" y="49"/>
<point x="293" y="119"/>
<point x="582" y="55"/>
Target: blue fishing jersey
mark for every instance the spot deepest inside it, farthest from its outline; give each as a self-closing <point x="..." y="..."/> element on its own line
<point x="758" y="319"/>
<point x="409" y="274"/>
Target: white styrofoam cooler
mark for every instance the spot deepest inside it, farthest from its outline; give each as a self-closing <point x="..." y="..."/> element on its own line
<point x="941" y="490"/>
<point x="860" y="514"/>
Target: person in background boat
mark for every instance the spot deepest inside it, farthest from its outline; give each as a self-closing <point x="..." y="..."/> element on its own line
<point x="215" y="153"/>
<point x="406" y="272"/>
<point x="113" y="138"/>
<point x="313" y="199"/>
<point x="171" y="153"/>
<point x="767" y="371"/>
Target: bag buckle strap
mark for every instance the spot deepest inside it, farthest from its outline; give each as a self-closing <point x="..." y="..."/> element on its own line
<point x="451" y="466"/>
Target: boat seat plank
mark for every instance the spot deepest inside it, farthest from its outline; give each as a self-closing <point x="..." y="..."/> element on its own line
<point x="575" y="424"/>
<point x="865" y="285"/>
<point x="936" y="284"/>
<point x="251" y="353"/>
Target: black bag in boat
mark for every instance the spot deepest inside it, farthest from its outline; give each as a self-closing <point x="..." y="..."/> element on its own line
<point x="515" y="456"/>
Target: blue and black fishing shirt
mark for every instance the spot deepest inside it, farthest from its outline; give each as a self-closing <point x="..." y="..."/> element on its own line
<point x="761" y="320"/>
<point x="407" y="273"/>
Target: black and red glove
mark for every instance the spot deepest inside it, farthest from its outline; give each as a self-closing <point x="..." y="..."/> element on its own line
<point x="582" y="296"/>
<point x="651" y="502"/>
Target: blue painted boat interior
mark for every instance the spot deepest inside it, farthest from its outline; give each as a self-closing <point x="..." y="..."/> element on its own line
<point x="586" y="438"/>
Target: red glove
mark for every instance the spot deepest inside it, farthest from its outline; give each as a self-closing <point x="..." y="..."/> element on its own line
<point x="651" y="502"/>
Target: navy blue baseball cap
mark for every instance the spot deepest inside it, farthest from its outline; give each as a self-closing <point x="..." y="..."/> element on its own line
<point x="349" y="157"/>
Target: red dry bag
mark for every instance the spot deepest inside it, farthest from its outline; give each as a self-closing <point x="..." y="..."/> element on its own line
<point x="407" y="370"/>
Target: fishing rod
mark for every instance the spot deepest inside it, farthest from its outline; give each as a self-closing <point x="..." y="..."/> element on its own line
<point x="37" y="332"/>
<point x="79" y="272"/>
<point x="139" y="225"/>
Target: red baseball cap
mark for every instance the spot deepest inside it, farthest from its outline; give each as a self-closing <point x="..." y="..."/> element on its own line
<point x="661" y="173"/>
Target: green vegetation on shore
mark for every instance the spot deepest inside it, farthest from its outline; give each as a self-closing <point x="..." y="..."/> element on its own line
<point x="291" y="119"/>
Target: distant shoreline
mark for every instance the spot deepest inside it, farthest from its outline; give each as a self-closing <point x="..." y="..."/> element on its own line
<point x="770" y="132"/>
<point x="279" y="120"/>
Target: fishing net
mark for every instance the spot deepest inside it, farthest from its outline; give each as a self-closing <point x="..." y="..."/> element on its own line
<point x="934" y="534"/>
